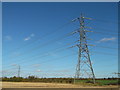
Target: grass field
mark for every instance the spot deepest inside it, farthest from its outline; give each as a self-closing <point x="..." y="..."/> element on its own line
<point x="98" y="82"/>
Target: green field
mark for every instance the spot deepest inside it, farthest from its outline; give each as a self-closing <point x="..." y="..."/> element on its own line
<point x="98" y="82"/>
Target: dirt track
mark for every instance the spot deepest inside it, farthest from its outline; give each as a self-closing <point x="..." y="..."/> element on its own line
<point x="47" y="85"/>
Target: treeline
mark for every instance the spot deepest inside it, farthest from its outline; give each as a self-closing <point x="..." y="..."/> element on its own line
<point x="36" y="79"/>
<point x="49" y="80"/>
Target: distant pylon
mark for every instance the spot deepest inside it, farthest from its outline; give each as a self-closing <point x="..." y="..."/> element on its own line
<point x="83" y="52"/>
<point x="18" y="70"/>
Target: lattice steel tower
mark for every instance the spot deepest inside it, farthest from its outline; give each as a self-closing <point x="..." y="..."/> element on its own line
<point x="83" y="52"/>
<point x="18" y="70"/>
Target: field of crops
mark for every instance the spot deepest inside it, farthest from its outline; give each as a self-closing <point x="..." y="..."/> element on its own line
<point x="32" y="81"/>
<point x="51" y="85"/>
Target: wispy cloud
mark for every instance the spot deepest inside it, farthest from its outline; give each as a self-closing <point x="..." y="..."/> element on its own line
<point x="38" y="71"/>
<point x="36" y="65"/>
<point x="53" y="54"/>
<point x="13" y="64"/>
<point x="32" y="35"/>
<point x="8" y="38"/>
<point x="63" y="70"/>
<point x="29" y="37"/>
<point x="106" y="39"/>
<point x="60" y="43"/>
<point x="15" y="54"/>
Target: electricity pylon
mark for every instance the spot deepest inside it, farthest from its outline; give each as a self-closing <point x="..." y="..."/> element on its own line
<point x="83" y="51"/>
<point x="18" y="70"/>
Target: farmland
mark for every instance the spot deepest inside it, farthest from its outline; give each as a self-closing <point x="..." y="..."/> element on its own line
<point x="49" y="85"/>
<point x="34" y="82"/>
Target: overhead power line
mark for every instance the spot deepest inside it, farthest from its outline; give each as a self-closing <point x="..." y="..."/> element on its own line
<point x="105" y="47"/>
<point x="106" y="21"/>
<point x="43" y="45"/>
<point x="104" y="33"/>
<point x="42" y="55"/>
<point x="49" y="60"/>
<point x="110" y="31"/>
<point x="39" y="38"/>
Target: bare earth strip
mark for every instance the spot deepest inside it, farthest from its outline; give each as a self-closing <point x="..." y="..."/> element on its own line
<point x="48" y="85"/>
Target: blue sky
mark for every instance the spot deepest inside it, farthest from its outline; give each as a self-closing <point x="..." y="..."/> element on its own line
<point x="34" y="37"/>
